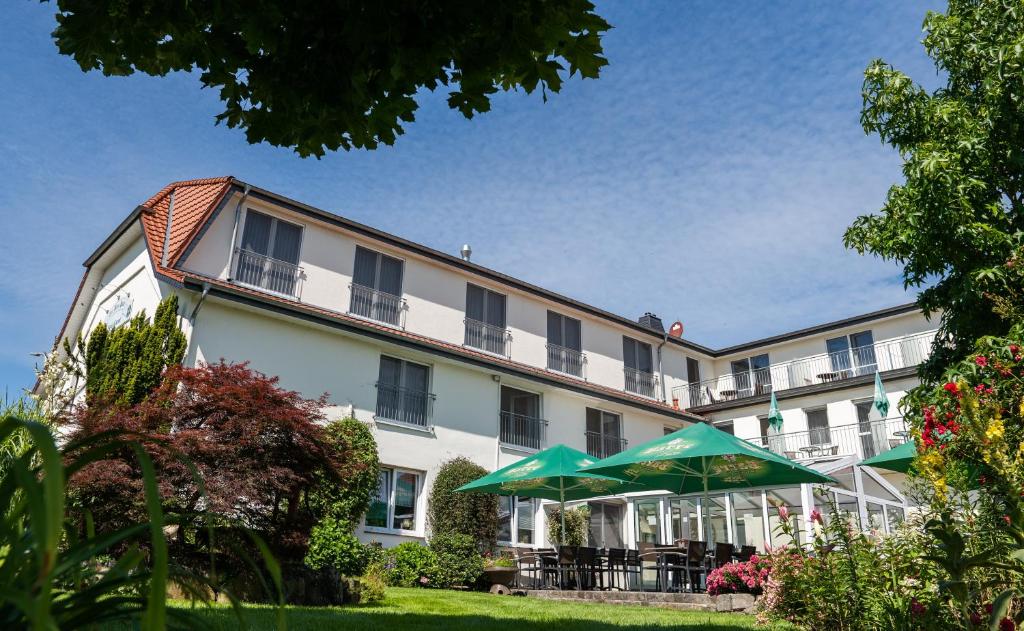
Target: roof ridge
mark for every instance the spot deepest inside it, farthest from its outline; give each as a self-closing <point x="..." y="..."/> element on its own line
<point x="150" y="204"/>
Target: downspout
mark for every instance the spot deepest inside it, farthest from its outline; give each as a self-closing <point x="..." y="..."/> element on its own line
<point x="661" y="370"/>
<point x="234" y="230"/>
<point x="195" y="313"/>
<point x="167" y="232"/>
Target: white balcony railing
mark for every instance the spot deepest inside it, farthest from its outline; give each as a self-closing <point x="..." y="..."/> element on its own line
<point x="864" y="440"/>
<point x="487" y="337"/>
<point x="566" y="360"/>
<point x="404" y="405"/>
<point x="603" y="445"/>
<point x="374" y="304"/>
<point x="269" y="274"/>
<point x="638" y="382"/>
<point x="901" y="352"/>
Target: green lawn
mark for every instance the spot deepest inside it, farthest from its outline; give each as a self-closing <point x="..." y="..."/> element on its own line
<point x="414" y="609"/>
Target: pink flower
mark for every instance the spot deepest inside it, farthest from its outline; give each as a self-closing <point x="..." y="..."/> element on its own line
<point x="981" y="360"/>
<point x="917" y="608"/>
<point x="783" y="513"/>
<point x="816" y="516"/>
<point x="1007" y="624"/>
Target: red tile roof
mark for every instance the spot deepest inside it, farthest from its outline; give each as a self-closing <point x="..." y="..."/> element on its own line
<point x="194" y="203"/>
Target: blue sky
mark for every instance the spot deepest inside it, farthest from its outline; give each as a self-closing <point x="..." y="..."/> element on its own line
<point x="707" y="176"/>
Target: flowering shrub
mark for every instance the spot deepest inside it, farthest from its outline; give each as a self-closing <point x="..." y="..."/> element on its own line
<point x="745" y="577"/>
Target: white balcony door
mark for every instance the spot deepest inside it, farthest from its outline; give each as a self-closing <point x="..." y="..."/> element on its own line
<point x="269" y="238"/>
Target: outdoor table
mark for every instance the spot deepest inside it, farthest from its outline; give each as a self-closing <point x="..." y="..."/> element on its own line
<point x="662" y="562"/>
<point x="811" y="451"/>
<point x="904" y="434"/>
<point x="728" y="394"/>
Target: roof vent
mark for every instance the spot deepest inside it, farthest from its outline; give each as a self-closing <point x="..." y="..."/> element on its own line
<point x="466" y="252"/>
<point x="652" y="322"/>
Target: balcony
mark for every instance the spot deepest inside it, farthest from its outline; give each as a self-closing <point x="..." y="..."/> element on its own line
<point x="566" y="360"/>
<point x="403" y="405"/>
<point x="864" y="440"/>
<point x="643" y="383"/>
<point x="377" y="305"/>
<point x="519" y="430"/>
<point x="604" y="445"/>
<point x="268" y="274"/>
<point x="487" y="337"/>
<point x="894" y="354"/>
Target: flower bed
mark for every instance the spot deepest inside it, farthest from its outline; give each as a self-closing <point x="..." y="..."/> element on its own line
<point x="741" y="577"/>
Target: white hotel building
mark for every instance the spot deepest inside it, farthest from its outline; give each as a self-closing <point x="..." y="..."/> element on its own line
<point x="443" y="357"/>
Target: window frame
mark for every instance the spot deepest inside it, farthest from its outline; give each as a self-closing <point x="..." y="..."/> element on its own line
<point x="393" y="473"/>
<point x="513" y="522"/>
<point x="272" y="235"/>
<point x="637" y="345"/>
<point x="376" y="273"/>
<point x="428" y="393"/>
<point x="827" y="429"/>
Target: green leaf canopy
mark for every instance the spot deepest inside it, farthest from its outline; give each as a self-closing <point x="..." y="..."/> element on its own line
<point x="701" y="458"/>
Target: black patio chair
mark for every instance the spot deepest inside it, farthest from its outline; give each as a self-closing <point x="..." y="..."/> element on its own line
<point x="723" y="554"/>
<point x="696" y="563"/>
<point x="616" y="567"/>
<point x="649" y="559"/>
<point x="633" y="569"/>
<point x="528" y="562"/>
<point x="588" y="568"/>
<point x="745" y="553"/>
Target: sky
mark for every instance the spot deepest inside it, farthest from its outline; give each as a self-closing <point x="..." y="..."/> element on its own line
<point x="707" y="176"/>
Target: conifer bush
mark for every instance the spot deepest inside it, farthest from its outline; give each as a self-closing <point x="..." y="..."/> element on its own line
<point x="473" y="514"/>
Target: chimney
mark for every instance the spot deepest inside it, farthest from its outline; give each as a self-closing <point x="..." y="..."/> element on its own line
<point x="652" y="322"/>
<point x="466" y="252"/>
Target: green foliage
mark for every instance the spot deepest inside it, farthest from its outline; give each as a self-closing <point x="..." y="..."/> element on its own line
<point x="348" y="500"/>
<point x="124" y="365"/>
<point x="457" y="561"/>
<point x="53" y="576"/>
<point x="19" y="441"/>
<point x="577" y="523"/>
<point x="372" y="588"/>
<point x="408" y="564"/>
<point x="333" y="544"/>
<point x="956" y="223"/>
<point x="319" y="76"/>
<point x="473" y="514"/>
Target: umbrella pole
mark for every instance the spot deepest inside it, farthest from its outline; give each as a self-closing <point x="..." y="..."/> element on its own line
<point x="561" y="514"/>
<point x="707" y="501"/>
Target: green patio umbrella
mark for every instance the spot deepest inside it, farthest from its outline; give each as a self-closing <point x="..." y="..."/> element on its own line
<point x="701" y="458"/>
<point x="551" y="474"/>
<point x="896" y="459"/>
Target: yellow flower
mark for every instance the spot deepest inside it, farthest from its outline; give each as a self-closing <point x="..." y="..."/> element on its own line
<point x="940" y="486"/>
<point x="995" y="429"/>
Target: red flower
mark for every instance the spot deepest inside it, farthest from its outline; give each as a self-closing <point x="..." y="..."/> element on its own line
<point x="1007" y="519"/>
<point x="1006" y="624"/>
<point x="975" y="618"/>
<point x="950" y="387"/>
<point x="981" y="360"/>
<point x="917" y="608"/>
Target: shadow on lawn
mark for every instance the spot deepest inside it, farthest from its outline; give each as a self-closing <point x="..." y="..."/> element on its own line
<point x="385" y="618"/>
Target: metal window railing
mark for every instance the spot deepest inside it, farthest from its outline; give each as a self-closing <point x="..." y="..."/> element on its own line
<point x="566" y="360"/>
<point x="487" y="337"/>
<point x="520" y="430"/>
<point x="404" y="405"/>
<point x="263" y="272"/>
<point x="374" y="304"/>
<point x="603" y="445"/>
<point x="901" y="352"/>
<point x="864" y="439"/>
<point x="643" y="383"/>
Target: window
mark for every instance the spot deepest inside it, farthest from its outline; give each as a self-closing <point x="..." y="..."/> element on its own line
<point x="852" y="355"/>
<point x="605" y="528"/>
<point x="268" y="256"/>
<point x="485" y="320"/>
<point x="693" y="388"/>
<point x="748" y="519"/>
<point x="393" y="505"/>
<point x="648" y="521"/>
<point x="403" y="392"/>
<point x="792" y="500"/>
<point x="638" y="364"/>
<point x="751" y="376"/>
<point x="377" y="287"/>
<point x="517" y="515"/>
<point x="685" y="518"/>
<point x="817" y="427"/>
<point x="717" y="519"/>
<point x="604" y="433"/>
<point x="565" y="344"/>
<point x="726" y="426"/>
<point x="521" y="424"/>
<point x="873" y="435"/>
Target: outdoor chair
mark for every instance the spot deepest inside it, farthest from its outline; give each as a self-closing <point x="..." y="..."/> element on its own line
<point x="675" y="569"/>
<point x="633" y="569"/>
<point x="745" y="553"/>
<point x="587" y="568"/>
<point x="648" y="557"/>
<point x="567" y="565"/>
<point x="696" y="563"/>
<point x="528" y="562"/>
<point x="617" y="567"/>
<point x="723" y="554"/>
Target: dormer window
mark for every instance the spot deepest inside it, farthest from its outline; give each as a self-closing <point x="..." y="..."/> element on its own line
<point x="377" y="287"/>
<point x="268" y="256"/>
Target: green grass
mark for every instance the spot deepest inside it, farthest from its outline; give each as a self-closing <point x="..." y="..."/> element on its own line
<point x="421" y="609"/>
